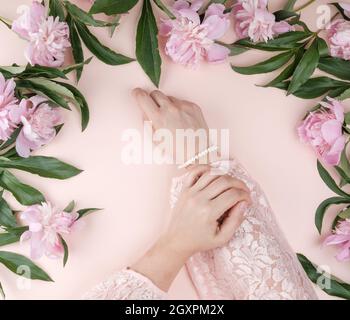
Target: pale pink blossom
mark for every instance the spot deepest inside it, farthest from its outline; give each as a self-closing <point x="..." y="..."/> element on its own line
<point x="48" y="37"/>
<point x="190" y="40"/>
<point x="341" y="238"/>
<point x="322" y="129"/>
<point x="338" y="38"/>
<point x="252" y="19"/>
<point x="346" y="7"/>
<point x="46" y="224"/>
<point x="39" y="120"/>
<point x="8" y="101"/>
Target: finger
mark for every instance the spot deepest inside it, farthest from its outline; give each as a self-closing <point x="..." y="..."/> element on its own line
<point x="231" y="223"/>
<point x="222" y="184"/>
<point x="149" y="108"/>
<point x="161" y="99"/>
<point x="227" y="200"/>
<point x="194" y="174"/>
<point x="206" y="179"/>
<point x="177" y="102"/>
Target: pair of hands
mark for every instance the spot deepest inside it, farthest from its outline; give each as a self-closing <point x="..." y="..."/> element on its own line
<point x="210" y="208"/>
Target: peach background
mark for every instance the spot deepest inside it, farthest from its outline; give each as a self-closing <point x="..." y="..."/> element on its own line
<point x="262" y="126"/>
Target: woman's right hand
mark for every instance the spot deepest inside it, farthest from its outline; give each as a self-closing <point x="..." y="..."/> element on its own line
<point x="209" y="211"/>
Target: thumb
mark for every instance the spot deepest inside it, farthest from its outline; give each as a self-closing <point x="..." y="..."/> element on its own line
<point x="231" y="223"/>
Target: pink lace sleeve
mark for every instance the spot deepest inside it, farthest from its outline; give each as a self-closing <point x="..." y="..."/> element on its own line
<point x="257" y="263"/>
<point x="126" y="285"/>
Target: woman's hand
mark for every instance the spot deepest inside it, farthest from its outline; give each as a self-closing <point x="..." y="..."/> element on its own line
<point x="166" y="112"/>
<point x="209" y="211"/>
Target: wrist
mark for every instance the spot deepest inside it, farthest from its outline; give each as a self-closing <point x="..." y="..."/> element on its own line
<point x="169" y="247"/>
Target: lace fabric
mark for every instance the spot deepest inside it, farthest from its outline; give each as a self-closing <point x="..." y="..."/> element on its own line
<point x="257" y="263"/>
<point x="126" y="285"/>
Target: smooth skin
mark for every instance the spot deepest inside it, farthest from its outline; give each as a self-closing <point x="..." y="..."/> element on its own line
<point x="210" y="208"/>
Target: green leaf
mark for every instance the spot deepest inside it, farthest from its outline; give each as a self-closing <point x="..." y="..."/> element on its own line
<point x="285" y="14"/>
<point x="2" y="292"/>
<point x="322" y="208"/>
<point x="235" y="50"/>
<point x="147" y="51"/>
<point x="6" y="22"/>
<point x="115" y="19"/>
<point x="336" y="67"/>
<point x="12" y="70"/>
<point x="338" y="288"/>
<point x="285" y="41"/>
<point x="7" y="218"/>
<point x="81" y="103"/>
<point x="23" y="193"/>
<point x="48" y="167"/>
<point x="110" y="7"/>
<point x="269" y="65"/>
<point x="12" y="138"/>
<point x="56" y="9"/>
<point x="342" y="174"/>
<point x="84" y="17"/>
<point x="43" y="88"/>
<point x="77" y="50"/>
<point x="11" y="235"/>
<point x="305" y="68"/>
<point x="315" y="87"/>
<point x="345" y="214"/>
<point x="76" y="66"/>
<point x="344" y="162"/>
<point x="70" y="207"/>
<point x="40" y="71"/>
<point x="322" y="48"/>
<point x="66" y="252"/>
<point x="101" y="52"/>
<point x="290" y="5"/>
<point x="85" y="212"/>
<point x="164" y="8"/>
<point x="328" y="180"/>
<point x="14" y="261"/>
<point x="288" y="71"/>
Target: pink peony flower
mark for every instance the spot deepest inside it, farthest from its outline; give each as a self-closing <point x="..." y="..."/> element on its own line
<point x="8" y="101"/>
<point x="48" y="37"/>
<point x="253" y="20"/>
<point x="191" y="40"/>
<point x="346" y="7"/>
<point x="39" y="121"/>
<point x="338" y="38"/>
<point x="323" y="131"/>
<point x="46" y="224"/>
<point x="341" y="237"/>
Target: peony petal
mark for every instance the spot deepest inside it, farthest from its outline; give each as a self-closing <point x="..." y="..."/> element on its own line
<point x="216" y="27"/>
<point x="37" y="245"/>
<point x="215" y="9"/>
<point x="217" y="53"/>
<point x="344" y="253"/>
<point x="331" y="130"/>
<point x="332" y="158"/>
<point x="22" y="145"/>
<point x="26" y="235"/>
<point x="282" y="27"/>
<point x="190" y="15"/>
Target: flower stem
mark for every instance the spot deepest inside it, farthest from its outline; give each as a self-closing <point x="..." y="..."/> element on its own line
<point x="7" y="22"/>
<point x="304" y="5"/>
